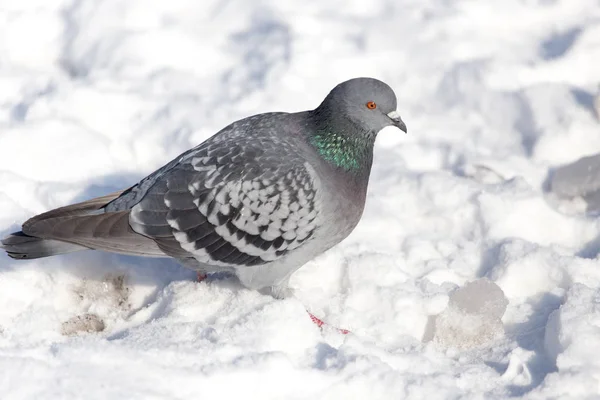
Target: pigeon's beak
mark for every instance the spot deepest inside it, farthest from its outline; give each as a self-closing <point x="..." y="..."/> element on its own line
<point x="398" y="121"/>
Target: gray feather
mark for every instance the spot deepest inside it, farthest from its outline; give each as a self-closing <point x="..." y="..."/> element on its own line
<point x="24" y="247"/>
<point x="233" y="211"/>
<point x="107" y="231"/>
<point x="77" y="227"/>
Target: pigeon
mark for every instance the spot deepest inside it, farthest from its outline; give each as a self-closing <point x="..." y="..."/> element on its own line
<point x="258" y="200"/>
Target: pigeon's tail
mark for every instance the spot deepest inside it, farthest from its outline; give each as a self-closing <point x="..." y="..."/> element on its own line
<point x="78" y="227"/>
<point x="21" y="246"/>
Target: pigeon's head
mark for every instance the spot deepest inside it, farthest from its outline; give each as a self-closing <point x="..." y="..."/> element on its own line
<point x="367" y="102"/>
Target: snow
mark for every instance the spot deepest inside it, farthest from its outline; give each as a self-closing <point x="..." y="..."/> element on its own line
<point x="497" y="96"/>
<point x="473" y="316"/>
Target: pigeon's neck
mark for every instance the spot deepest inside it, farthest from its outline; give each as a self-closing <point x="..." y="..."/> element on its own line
<point x="346" y="152"/>
<point x="343" y="145"/>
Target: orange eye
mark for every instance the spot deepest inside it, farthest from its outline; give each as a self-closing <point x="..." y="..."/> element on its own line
<point x="371" y="105"/>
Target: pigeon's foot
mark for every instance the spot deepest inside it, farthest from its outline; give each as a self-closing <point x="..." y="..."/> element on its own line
<point x="201" y="276"/>
<point x="283" y="291"/>
<point x="319" y="322"/>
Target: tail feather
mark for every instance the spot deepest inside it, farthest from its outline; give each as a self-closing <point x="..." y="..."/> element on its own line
<point x="107" y="231"/>
<point x="21" y="246"/>
<point x="84" y="208"/>
<point x="77" y="227"/>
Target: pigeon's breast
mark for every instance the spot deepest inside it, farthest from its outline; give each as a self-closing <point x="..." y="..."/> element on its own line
<point x="341" y="201"/>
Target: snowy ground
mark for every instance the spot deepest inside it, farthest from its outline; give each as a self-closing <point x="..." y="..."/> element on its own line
<point x="96" y="94"/>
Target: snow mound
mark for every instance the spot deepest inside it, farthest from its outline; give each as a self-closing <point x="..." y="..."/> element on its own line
<point x="473" y="317"/>
<point x="571" y="337"/>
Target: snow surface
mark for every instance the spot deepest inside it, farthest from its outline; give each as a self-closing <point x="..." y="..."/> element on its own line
<point x="96" y="94"/>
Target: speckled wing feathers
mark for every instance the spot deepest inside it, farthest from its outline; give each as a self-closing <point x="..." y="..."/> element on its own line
<point x="231" y="204"/>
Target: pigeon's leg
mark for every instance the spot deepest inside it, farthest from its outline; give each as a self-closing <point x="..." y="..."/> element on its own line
<point x="281" y="290"/>
<point x="319" y="322"/>
<point x="195" y="265"/>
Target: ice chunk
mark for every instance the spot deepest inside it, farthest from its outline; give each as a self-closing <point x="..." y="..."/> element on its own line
<point x="481" y="297"/>
<point x="578" y="181"/>
<point x="472" y="318"/>
<point x="579" y="178"/>
<point x="597" y="103"/>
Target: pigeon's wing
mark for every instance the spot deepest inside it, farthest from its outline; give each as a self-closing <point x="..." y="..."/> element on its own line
<point x="241" y="203"/>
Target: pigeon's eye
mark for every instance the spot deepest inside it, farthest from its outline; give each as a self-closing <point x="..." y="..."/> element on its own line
<point x="371" y="105"/>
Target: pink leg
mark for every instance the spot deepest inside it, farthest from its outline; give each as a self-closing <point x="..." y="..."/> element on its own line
<point x="201" y="277"/>
<point x="319" y="322"/>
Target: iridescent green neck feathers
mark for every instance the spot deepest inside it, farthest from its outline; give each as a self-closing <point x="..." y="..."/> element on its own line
<point x="344" y="151"/>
